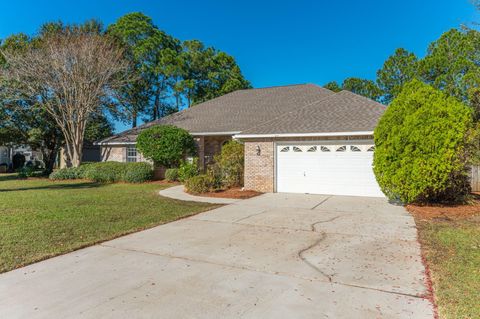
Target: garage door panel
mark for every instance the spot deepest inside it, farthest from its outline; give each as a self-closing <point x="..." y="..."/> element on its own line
<point x="320" y="172"/>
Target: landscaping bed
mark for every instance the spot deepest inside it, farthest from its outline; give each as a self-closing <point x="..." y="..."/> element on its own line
<point x="40" y="218"/>
<point x="235" y="193"/>
<point x="450" y="240"/>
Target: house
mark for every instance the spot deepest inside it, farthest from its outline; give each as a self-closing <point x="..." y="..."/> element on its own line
<point x="7" y="153"/>
<point x="298" y="138"/>
<point x="90" y="153"/>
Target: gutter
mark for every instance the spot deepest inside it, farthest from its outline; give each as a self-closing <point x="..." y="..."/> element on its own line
<point x="193" y="134"/>
<point x="324" y="134"/>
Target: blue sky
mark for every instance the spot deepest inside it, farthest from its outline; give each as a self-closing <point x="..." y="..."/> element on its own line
<point x="274" y="42"/>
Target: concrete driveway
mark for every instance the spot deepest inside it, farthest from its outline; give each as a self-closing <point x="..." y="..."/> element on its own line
<point x="273" y="256"/>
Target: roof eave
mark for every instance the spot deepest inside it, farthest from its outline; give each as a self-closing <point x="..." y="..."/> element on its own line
<point x="319" y="134"/>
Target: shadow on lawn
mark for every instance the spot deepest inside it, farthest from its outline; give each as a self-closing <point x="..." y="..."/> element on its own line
<point x="54" y="186"/>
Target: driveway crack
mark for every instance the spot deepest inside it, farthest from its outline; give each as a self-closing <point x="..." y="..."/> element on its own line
<point x="323" y="221"/>
<point x="311" y="265"/>
<point x="323" y="201"/>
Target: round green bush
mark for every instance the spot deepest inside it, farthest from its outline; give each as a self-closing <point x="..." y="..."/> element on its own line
<point x="171" y="174"/>
<point x="200" y="184"/>
<point x="421" y="146"/>
<point x="138" y="173"/>
<point x="165" y="145"/>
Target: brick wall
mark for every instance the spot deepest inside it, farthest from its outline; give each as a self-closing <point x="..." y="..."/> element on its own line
<point x="259" y="169"/>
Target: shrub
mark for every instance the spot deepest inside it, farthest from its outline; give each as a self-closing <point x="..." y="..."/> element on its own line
<point x="171" y="174"/>
<point x="187" y="170"/>
<point x="138" y="173"/>
<point x="107" y="172"/>
<point x="66" y="173"/>
<point x="230" y="164"/>
<point x="165" y="145"/>
<point x="199" y="184"/>
<point x="421" y="146"/>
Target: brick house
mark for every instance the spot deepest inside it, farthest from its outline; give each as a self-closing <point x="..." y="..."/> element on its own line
<point x="298" y="138"/>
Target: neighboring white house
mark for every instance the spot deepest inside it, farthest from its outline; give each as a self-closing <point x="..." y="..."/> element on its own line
<point x="7" y="153"/>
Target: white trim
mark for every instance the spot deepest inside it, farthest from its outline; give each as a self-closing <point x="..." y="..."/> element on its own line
<point x="193" y="134"/>
<point x="358" y="133"/>
<point x="214" y="133"/>
<point x="115" y="143"/>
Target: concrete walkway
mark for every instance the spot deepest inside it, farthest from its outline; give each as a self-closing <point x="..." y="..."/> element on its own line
<point x="177" y="192"/>
<point x="272" y="256"/>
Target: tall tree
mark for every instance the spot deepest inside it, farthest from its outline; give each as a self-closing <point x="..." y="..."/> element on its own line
<point x="367" y="88"/>
<point x="23" y="119"/>
<point x="149" y="50"/>
<point x="452" y="63"/>
<point x="208" y="73"/>
<point x="399" y="69"/>
<point x="71" y="73"/>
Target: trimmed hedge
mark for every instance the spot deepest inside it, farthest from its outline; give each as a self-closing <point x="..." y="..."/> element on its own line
<point x="200" y="184"/>
<point x="107" y="172"/>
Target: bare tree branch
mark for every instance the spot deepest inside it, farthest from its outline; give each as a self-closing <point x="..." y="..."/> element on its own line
<point x="72" y="73"/>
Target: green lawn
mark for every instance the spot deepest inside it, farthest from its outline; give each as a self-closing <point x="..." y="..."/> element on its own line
<point x="452" y="249"/>
<point x="41" y="218"/>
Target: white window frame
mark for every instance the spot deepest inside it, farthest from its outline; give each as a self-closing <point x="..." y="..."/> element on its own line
<point x="128" y="156"/>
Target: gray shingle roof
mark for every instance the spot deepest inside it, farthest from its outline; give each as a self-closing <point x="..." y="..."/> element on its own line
<point x="236" y="111"/>
<point x="341" y="112"/>
<point x="304" y="108"/>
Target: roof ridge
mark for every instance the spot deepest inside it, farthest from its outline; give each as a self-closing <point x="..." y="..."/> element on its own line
<point x="362" y="97"/>
<point x="280" y="86"/>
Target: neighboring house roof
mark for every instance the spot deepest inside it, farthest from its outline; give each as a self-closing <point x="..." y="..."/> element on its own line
<point x="344" y="112"/>
<point x="304" y="108"/>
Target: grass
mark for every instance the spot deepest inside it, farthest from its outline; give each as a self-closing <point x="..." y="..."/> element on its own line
<point x="41" y="218"/>
<point x="452" y="251"/>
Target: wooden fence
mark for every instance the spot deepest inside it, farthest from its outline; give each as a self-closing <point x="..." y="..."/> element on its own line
<point x="475" y="178"/>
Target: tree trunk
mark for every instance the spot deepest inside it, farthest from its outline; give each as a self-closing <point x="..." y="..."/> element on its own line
<point x="134" y="119"/>
<point x="156" y="105"/>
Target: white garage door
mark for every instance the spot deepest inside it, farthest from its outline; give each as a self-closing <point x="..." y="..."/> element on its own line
<point x="341" y="169"/>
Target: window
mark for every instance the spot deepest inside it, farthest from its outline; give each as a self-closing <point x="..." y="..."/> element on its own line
<point x="285" y="149"/>
<point x="342" y="148"/>
<point x="312" y="149"/>
<point x="131" y="154"/>
<point x="371" y="149"/>
<point x="324" y="149"/>
<point x="354" y="149"/>
<point x="296" y="149"/>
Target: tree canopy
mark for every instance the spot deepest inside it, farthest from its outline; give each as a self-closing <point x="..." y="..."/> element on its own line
<point x="170" y="74"/>
<point x="399" y="69"/>
<point x="450" y="65"/>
